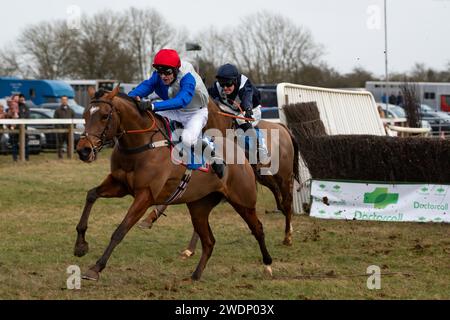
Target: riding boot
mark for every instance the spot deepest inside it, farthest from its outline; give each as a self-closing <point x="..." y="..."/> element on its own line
<point x="263" y="151"/>
<point x="217" y="164"/>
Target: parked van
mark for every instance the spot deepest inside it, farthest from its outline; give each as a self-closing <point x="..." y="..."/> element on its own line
<point x="38" y="91"/>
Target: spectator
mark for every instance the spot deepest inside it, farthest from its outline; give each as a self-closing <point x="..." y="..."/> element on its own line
<point x="384" y="98"/>
<point x="381" y="112"/>
<point x="2" y="112"/>
<point x="24" y="101"/>
<point x="392" y="99"/>
<point x="16" y="111"/>
<point x="400" y="99"/>
<point x="63" y="112"/>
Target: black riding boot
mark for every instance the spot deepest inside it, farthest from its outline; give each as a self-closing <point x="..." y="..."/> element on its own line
<point x="217" y="164"/>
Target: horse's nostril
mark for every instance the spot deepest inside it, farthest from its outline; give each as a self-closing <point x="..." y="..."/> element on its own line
<point x="84" y="153"/>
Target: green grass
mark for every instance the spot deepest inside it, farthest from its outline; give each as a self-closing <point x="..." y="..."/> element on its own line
<point x="41" y="203"/>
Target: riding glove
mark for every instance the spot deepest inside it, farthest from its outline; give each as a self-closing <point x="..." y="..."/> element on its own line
<point x="146" y="105"/>
<point x="249" y="114"/>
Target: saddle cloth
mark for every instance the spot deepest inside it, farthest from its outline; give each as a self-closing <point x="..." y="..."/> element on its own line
<point x="180" y="153"/>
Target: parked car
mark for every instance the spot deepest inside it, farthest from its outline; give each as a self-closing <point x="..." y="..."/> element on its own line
<point x="72" y="104"/>
<point x="439" y="121"/>
<point x="395" y="112"/>
<point x="269" y="103"/>
<point x="36" y="141"/>
<point x="42" y="113"/>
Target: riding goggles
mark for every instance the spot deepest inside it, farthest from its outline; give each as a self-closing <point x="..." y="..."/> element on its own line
<point x="227" y="84"/>
<point x="164" y="71"/>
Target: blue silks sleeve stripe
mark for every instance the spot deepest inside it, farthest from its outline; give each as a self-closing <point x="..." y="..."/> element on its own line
<point x="182" y="99"/>
<point x="146" y="87"/>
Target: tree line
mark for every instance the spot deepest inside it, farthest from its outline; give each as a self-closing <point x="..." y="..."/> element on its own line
<point x="267" y="47"/>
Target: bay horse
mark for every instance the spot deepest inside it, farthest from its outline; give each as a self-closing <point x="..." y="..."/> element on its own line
<point x="141" y="166"/>
<point x="280" y="183"/>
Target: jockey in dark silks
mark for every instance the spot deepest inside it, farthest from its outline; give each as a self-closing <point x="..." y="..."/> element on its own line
<point x="185" y="99"/>
<point x="236" y="90"/>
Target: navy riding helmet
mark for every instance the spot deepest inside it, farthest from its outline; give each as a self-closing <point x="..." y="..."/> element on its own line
<point x="227" y="72"/>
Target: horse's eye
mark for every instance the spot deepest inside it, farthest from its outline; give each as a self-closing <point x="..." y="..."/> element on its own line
<point x="105" y="117"/>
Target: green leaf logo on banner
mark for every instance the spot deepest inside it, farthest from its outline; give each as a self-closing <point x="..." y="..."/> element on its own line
<point x="440" y="190"/>
<point x="424" y="189"/>
<point x="322" y="211"/>
<point x="422" y="218"/>
<point x="337" y="187"/>
<point x="381" y="198"/>
<point x="322" y="186"/>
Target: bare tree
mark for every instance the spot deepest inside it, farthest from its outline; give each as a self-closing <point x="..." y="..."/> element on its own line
<point x="47" y="48"/>
<point x="102" y="50"/>
<point x="215" y="52"/>
<point x="148" y="32"/>
<point x="9" y="62"/>
<point x="270" y="47"/>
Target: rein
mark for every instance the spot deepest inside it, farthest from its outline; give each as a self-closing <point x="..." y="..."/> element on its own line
<point x="143" y="148"/>
<point x="229" y="115"/>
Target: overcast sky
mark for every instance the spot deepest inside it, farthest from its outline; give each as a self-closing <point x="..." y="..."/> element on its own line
<point x="351" y="31"/>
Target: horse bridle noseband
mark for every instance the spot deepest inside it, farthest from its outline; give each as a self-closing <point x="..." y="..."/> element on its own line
<point x="117" y="137"/>
<point x="102" y="137"/>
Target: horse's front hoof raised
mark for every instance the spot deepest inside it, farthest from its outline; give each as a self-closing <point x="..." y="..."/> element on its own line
<point x="145" y="224"/>
<point x="91" y="275"/>
<point x="81" y="249"/>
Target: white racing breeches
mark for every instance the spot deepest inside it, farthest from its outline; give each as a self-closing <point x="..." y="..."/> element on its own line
<point x="192" y="121"/>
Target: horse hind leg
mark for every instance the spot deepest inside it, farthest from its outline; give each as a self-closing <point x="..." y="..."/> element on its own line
<point x="109" y="188"/>
<point x="286" y="188"/>
<point x="282" y="191"/>
<point x="200" y="211"/>
<point x="256" y="227"/>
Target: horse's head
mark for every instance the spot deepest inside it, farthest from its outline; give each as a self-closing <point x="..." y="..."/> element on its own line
<point x="101" y="124"/>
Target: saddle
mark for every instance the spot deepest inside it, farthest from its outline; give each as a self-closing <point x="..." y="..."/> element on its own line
<point x="180" y="153"/>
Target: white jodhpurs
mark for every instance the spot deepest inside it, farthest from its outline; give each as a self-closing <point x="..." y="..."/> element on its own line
<point x="192" y="121"/>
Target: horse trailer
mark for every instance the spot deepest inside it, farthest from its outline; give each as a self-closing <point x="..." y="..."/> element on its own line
<point x="434" y="94"/>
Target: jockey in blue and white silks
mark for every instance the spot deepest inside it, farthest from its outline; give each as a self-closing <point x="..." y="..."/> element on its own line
<point x="184" y="95"/>
<point x="237" y="91"/>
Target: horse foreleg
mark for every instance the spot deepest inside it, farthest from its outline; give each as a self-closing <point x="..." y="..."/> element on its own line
<point x="200" y="211"/>
<point x="109" y="188"/>
<point x="147" y="223"/>
<point x="256" y="227"/>
<point x="140" y="204"/>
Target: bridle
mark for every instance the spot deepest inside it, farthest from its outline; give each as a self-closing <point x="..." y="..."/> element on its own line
<point x="102" y="138"/>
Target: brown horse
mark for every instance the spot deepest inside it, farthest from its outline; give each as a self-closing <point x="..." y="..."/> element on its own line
<point x="280" y="183"/>
<point x="141" y="167"/>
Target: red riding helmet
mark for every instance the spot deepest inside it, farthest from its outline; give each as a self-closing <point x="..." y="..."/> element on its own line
<point x="167" y="57"/>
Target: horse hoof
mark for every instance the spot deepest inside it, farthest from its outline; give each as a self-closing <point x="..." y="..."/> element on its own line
<point x="268" y="271"/>
<point x="287" y="242"/>
<point x="145" y="224"/>
<point x="91" y="275"/>
<point x="81" y="250"/>
<point x="186" y="254"/>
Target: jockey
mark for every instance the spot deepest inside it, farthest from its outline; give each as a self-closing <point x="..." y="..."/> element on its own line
<point x="235" y="89"/>
<point x="185" y="99"/>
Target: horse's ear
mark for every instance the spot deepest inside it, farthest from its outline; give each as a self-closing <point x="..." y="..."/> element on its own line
<point x="91" y="92"/>
<point x="115" y="92"/>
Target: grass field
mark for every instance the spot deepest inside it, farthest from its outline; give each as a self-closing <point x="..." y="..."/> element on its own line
<point x="41" y="203"/>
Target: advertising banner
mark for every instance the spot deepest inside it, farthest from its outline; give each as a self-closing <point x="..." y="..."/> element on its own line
<point x="380" y="202"/>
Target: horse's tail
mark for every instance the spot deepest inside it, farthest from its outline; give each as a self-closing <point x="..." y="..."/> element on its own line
<point x="296" y="164"/>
